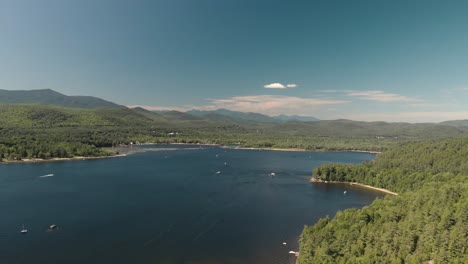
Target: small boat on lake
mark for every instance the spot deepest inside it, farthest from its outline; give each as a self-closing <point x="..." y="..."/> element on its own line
<point x="24" y="230"/>
<point x="272" y="174"/>
<point x="53" y="226"/>
<point x="344" y="192"/>
<point x="47" y="175"/>
<point x="218" y="172"/>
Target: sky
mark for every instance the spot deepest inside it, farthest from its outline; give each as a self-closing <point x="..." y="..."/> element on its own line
<point x="362" y="60"/>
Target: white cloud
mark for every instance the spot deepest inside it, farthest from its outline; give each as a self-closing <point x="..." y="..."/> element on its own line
<point x="274" y="86"/>
<point x="411" y="117"/>
<point x="330" y="91"/>
<point x="264" y="104"/>
<point x="432" y="105"/>
<point x="271" y="104"/>
<point x="279" y="86"/>
<point x="381" y="96"/>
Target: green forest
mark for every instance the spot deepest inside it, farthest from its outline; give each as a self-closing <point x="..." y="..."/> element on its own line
<point x="47" y="131"/>
<point x="426" y="223"/>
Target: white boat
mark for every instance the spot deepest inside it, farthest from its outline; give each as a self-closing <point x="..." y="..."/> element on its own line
<point x="53" y="226"/>
<point x="47" y="175"/>
<point x="218" y="172"/>
<point x="344" y="192"/>
<point x="24" y="230"/>
<point x="272" y="174"/>
<point x="284" y="243"/>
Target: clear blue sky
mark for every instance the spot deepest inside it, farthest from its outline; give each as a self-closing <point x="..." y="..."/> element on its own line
<point x="366" y="60"/>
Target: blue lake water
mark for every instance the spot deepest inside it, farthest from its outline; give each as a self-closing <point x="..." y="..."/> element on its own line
<point x="169" y="206"/>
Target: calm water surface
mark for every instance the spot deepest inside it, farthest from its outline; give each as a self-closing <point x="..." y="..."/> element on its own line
<point x="168" y="206"/>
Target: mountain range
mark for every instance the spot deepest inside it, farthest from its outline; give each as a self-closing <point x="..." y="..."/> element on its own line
<point x="219" y="117"/>
<point x="249" y="116"/>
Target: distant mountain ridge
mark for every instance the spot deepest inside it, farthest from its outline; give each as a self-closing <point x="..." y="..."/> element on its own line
<point x="49" y="116"/>
<point x="51" y="97"/>
<point x="457" y="123"/>
<point x="219" y="113"/>
<point x="287" y="118"/>
<point x="224" y="116"/>
<point x="249" y="116"/>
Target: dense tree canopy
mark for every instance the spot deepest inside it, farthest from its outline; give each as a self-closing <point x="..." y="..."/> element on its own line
<point x="427" y="221"/>
<point x="45" y="131"/>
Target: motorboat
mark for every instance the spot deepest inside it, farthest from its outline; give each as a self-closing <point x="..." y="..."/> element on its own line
<point x="24" y="230"/>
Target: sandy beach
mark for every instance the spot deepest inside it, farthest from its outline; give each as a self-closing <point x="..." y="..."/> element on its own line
<point x="355" y="184"/>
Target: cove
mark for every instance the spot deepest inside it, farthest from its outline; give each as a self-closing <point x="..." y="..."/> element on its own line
<point x="184" y="205"/>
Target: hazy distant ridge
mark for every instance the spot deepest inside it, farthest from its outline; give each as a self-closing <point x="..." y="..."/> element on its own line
<point x="249" y="116"/>
<point x="286" y="118"/>
<point x="457" y="123"/>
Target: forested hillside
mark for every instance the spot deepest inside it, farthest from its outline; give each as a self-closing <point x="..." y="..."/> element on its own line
<point x="51" y="97"/>
<point x="38" y="131"/>
<point x="458" y="123"/>
<point x="45" y="116"/>
<point x="404" y="167"/>
<point x="428" y="221"/>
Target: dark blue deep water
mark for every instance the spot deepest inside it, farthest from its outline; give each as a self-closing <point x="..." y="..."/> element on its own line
<point x="169" y="206"/>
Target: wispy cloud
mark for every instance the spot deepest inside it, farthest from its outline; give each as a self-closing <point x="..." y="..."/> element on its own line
<point x="279" y="86"/>
<point x="264" y="104"/>
<point x="272" y="104"/>
<point x="421" y="105"/>
<point x="411" y="117"/>
<point x="381" y="96"/>
<point x="330" y="91"/>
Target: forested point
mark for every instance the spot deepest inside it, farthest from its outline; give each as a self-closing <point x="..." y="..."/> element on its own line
<point x="426" y="223"/>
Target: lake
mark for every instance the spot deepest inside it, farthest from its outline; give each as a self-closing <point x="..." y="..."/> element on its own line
<point x="186" y="204"/>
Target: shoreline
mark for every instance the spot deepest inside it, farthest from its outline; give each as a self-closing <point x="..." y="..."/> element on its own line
<point x="314" y="180"/>
<point x="254" y="148"/>
<point x="35" y="160"/>
<point x="61" y="159"/>
<point x="271" y="149"/>
<point x="301" y="150"/>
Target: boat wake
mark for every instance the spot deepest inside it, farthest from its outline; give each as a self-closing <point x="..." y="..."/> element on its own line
<point x="47" y="175"/>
